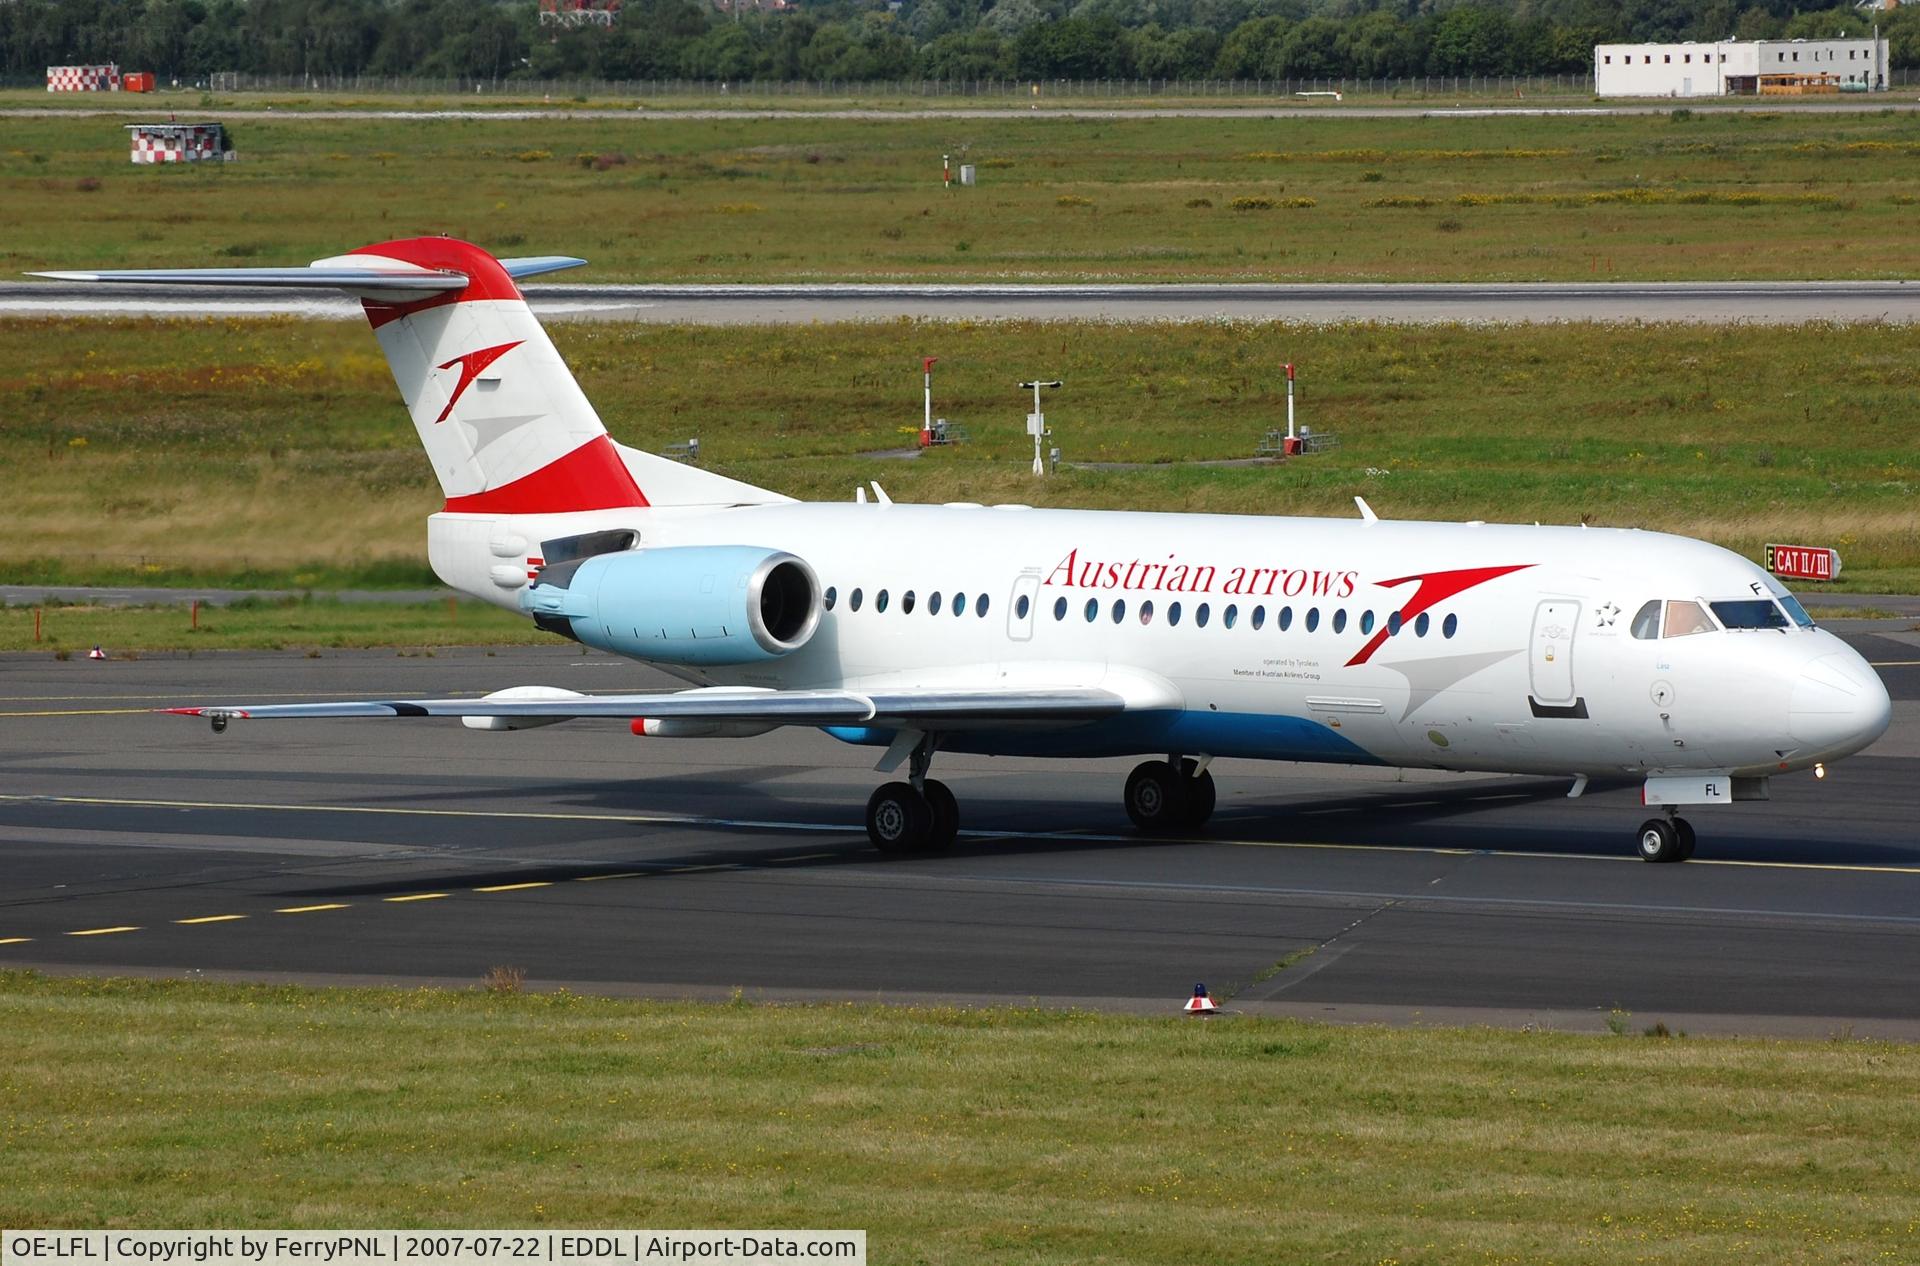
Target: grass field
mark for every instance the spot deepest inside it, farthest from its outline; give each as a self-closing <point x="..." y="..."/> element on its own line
<point x="257" y="625"/>
<point x="1756" y="194"/>
<point x="275" y="452"/>
<point x="951" y="1135"/>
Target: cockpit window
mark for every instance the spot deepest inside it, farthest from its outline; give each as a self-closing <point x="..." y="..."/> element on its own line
<point x="1750" y="613"/>
<point x="1798" y="612"/>
<point x="1646" y="621"/>
<point x="1685" y="619"/>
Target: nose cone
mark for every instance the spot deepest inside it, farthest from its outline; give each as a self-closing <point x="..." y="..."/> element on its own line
<point x="1839" y="706"/>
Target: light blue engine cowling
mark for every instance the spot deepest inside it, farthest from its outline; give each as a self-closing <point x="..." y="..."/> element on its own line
<point x="693" y="604"/>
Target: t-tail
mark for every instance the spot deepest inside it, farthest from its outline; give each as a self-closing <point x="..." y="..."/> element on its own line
<point x="521" y="456"/>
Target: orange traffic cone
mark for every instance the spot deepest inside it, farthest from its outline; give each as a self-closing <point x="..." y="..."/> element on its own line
<point x="1200" y="1003"/>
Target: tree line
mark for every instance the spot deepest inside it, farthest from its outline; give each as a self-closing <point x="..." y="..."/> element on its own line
<point x="861" y="40"/>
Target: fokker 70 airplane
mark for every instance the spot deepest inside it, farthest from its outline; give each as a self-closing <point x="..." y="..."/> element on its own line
<point x="1592" y="654"/>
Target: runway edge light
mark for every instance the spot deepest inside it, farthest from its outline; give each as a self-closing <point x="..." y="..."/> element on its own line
<point x="96" y="653"/>
<point x="1200" y="1003"/>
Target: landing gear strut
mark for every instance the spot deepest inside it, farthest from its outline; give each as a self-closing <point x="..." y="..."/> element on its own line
<point x="919" y="815"/>
<point x="1162" y="801"/>
<point x="1668" y="839"/>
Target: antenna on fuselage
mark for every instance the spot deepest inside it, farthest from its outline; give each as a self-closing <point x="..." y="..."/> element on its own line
<point x="1366" y="511"/>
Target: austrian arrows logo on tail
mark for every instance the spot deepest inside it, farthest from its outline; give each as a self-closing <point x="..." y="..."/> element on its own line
<point x="471" y="366"/>
<point x="1435" y="587"/>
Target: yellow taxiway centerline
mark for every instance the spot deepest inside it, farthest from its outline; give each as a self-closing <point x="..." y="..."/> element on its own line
<point x="211" y="918"/>
<point x="332" y="905"/>
<point x="105" y="931"/>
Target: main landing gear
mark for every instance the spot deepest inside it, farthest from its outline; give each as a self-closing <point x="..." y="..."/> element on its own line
<point x="1668" y="839"/>
<point x="1167" y="796"/>
<point x="919" y="815"/>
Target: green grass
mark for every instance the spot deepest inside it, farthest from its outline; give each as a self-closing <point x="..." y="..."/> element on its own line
<point x="1756" y="194"/>
<point x="951" y="1135"/>
<point x="275" y="452"/>
<point x="259" y="625"/>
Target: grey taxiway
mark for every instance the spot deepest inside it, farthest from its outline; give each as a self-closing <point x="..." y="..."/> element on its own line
<point x="410" y="851"/>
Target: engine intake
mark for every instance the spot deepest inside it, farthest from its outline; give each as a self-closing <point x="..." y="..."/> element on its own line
<point x="694" y="604"/>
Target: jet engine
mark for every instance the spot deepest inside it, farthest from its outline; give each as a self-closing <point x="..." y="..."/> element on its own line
<point x="690" y="604"/>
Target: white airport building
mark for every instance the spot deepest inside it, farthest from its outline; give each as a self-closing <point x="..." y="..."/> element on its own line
<point x="1735" y="68"/>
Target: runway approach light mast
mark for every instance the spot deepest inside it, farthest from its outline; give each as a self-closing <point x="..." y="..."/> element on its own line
<point x="1037" y="425"/>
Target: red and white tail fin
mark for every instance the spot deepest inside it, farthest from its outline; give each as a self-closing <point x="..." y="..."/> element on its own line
<point x="505" y="425"/>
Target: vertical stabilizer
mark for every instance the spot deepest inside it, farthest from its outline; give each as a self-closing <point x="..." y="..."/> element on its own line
<point x="506" y="427"/>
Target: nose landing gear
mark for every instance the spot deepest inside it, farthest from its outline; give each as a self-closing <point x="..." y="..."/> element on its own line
<point x="1668" y="839"/>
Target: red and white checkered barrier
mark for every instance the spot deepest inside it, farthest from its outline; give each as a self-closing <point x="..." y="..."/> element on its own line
<point x="83" y="78"/>
<point x="177" y="143"/>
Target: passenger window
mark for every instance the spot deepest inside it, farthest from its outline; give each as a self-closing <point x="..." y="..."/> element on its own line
<point x="1146" y="612"/>
<point x="1200" y="616"/>
<point x="854" y="600"/>
<point x="1259" y="618"/>
<point x="880" y="601"/>
<point x="1646" y="621"/>
<point x="1119" y="610"/>
<point x="906" y="603"/>
<point x="1173" y="613"/>
<point x="1340" y="620"/>
<point x="980" y="606"/>
<point x="1059" y="608"/>
<point x="959" y="604"/>
<point x="1450" y="626"/>
<point x="1366" y="621"/>
<point x="1020" y="608"/>
<point x="1093" y="609"/>
<point x="1313" y="618"/>
<point x="1286" y="619"/>
<point x="1230" y="615"/>
<point x="933" y="602"/>
<point x="1684" y="619"/>
<point x="1393" y="625"/>
<point x="1421" y="624"/>
<point x="832" y="596"/>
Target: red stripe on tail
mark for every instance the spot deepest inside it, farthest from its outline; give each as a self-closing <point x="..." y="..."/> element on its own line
<point x="591" y="477"/>
<point x="486" y="279"/>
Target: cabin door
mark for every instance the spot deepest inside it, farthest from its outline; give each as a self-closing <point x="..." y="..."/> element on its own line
<point x="1551" y="671"/>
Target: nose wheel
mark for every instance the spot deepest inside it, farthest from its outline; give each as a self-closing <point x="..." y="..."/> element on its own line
<point x="1668" y="839"/>
<point x="1165" y="796"/>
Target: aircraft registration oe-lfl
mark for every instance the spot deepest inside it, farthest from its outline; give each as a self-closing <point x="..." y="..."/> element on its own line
<point x="1006" y="630"/>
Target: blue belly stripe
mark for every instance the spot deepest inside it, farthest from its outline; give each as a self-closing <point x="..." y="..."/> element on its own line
<point x="1253" y="735"/>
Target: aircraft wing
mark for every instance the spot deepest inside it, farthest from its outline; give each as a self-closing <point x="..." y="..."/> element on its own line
<point x="917" y="708"/>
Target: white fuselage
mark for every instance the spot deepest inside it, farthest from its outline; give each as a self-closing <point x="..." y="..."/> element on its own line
<point x="1500" y="647"/>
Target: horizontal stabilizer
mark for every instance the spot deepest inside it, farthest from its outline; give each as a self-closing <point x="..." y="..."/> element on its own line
<point x="375" y="278"/>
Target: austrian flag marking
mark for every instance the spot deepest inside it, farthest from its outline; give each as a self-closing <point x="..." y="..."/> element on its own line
<point x="471" y="366"/>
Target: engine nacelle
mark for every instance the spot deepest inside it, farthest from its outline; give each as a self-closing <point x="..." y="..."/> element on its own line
<point x="690" y="604"/>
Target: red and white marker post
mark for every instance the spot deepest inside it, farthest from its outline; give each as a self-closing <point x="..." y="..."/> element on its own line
<point x="926" y="427"/>
<point x="1200" y="1003"/>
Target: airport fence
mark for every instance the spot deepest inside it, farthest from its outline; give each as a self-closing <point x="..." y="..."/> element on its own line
<point x="1507" y="87"/>
<point x="981" y="89"/>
